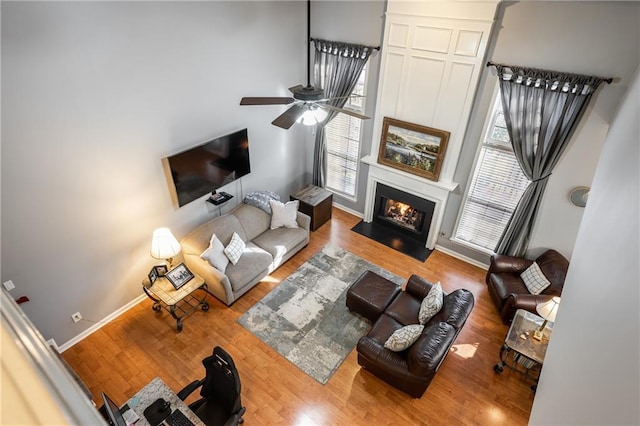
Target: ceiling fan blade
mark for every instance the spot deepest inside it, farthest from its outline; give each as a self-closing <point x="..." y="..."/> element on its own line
<point x="345" y="111"/>
<point x="266" y="101"/>
<point x="290" y="116"/>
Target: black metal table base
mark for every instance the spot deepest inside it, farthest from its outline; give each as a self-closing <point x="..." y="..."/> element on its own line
<point x="184" y="307"/>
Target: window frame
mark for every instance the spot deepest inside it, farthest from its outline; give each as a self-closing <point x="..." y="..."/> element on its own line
<point x="486" y="140"/>
<point x="354" y="197"/>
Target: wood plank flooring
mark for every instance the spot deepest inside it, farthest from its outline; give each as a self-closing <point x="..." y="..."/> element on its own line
<point x="126" y="354"/>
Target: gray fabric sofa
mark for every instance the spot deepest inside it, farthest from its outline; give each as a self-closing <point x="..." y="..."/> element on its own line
<point x="265" y="250"/>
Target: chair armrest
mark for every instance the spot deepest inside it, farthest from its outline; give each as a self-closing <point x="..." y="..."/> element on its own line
<point x="188" y="390"/>
<point x="418" y="287"/>
<point x="376" y="353"/>
<point x="528" y="302"/>
<point x="501" y="263"/>
<point x="304" y="221"/>
<point x="217" y="283"/>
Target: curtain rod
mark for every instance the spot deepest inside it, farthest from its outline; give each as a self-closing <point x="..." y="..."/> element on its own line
<point x="374" y="48"/>
<point x="492" y="64"/>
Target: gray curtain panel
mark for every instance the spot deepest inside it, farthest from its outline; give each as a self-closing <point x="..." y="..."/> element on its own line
<point x="337" y="67"/>
<point x="542" y="110"/>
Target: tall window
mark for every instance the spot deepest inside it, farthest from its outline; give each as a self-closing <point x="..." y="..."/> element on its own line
<point x="343" y="144"/>
<point x="496" y="187"/>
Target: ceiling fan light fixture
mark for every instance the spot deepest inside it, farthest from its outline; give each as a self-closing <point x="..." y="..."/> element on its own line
<point x="313" y="116"/>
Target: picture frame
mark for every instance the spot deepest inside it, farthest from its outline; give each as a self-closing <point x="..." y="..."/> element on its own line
<point x="413" y="148"/>
<point x="179" y="276"/>
<point x="161" y="270"/>
<point x="153" y="276"/>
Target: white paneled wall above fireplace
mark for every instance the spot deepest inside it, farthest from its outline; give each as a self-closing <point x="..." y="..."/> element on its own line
<point x="432" y="57"/>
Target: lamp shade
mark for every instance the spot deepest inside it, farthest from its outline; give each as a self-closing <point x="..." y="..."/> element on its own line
<point x="549" y="309"/>
<point x="163" y="244"/>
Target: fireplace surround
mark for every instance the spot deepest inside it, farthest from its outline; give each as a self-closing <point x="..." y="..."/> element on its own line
<point x="434" y="192"/>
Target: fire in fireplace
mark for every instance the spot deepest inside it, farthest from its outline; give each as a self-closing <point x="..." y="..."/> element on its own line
<point x="405" y="212"/>
<point x="403" y="215"/>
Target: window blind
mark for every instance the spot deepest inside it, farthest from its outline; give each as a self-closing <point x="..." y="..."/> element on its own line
<point x="496" y="187"/>
<point x="343" y="135"/>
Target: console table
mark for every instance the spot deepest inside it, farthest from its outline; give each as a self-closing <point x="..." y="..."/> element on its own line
<point x="316" y="203"/>
<point x="179" y="303"/>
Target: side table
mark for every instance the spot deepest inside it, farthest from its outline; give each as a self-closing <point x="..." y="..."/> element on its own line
<point x="179" y="303"/>
<point x="316" y="203"/>
<point x="528" y="353"/>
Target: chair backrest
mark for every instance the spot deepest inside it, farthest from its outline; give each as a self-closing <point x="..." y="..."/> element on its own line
<point x="222" y="382"/>
<point x="554" y="266"/>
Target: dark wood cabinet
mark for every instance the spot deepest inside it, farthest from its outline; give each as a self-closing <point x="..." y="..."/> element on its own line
<point x="316" y="203"/>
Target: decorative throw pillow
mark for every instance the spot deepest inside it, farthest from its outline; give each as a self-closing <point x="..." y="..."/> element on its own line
<point x="534" y="279"/>
<point x="431" y="304"/>
<point x="260" y="199"/>
<point x="215" y="254"/>
<point x="403" y="338"/>
<point x="284" y="214"/>
<point x="234" y="249"/>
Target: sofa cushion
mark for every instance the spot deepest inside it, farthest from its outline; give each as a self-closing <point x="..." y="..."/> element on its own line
<point x="403" y="338"/>
<point x="214" y="254"/>
<point x="284" y="214"/>
<point x="383" y="328"/>
<point x="404" y="309"/>
<point x="253" y="263"/>
<point x="426" y="354"/>
<point x="224" y="226"/>
<point x="252" y="220"/>
<point x="235" y="248"/>
<point x="431" y="304"/>
<point x="534" y="279"/>
<point x="280" y="241"/>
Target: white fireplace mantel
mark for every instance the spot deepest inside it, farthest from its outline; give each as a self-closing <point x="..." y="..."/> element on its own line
<point x="437" y="192"/>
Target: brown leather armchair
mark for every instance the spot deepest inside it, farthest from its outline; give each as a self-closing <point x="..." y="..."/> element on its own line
<point x="509" y="292"/>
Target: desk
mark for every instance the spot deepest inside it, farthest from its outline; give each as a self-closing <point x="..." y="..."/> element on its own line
<point x="179" y="303"/>
<point x="528" y="353"/>
<point x="316" y="203"/>
<point x="154" y="390"/>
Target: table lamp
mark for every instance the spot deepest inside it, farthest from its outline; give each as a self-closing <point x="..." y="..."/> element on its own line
<point x="164" y="245"/>
<point x="548" y="311"/>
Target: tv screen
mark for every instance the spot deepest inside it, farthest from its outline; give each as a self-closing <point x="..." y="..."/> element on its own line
<point x="207" y="167"/>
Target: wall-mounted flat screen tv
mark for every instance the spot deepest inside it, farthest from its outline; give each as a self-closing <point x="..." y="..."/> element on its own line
<point x="209" y="166"/>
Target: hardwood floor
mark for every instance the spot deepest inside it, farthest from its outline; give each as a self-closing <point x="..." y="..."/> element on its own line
<point x="127" y="353"/>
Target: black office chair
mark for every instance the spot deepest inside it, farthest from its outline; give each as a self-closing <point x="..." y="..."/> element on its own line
<point x="220" y="403"/>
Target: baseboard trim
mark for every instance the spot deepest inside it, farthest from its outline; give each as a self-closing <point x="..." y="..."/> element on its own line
<point x="98" y="325"/>
<point x="462" y="257"/>
<point x="348" y="210"/>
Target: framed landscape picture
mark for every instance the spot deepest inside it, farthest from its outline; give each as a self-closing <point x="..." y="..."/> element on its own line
<point x="413" y="148"/>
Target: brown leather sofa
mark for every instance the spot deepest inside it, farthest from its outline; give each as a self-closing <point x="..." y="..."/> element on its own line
<point x="508" y="291"/>
<point x="412" y="370"/>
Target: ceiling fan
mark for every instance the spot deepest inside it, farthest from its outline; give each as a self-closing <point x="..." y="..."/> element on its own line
<point x="309" y="104"/>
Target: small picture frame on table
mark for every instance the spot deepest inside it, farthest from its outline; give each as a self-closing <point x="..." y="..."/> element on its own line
<point x="179" y="276"/>
<point x="161" y="270"/>
<point x="153" y="276"/>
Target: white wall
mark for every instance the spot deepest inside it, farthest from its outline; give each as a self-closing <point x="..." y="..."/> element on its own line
<point x="591" y="373"/>
<point x="597" y="38"/>
<point x="94" y="95"/>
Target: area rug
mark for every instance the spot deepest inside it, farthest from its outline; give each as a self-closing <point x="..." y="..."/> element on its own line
<point x="305" y="318"/>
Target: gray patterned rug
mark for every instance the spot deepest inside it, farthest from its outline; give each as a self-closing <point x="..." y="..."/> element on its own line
<point x="305" y="318"/>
